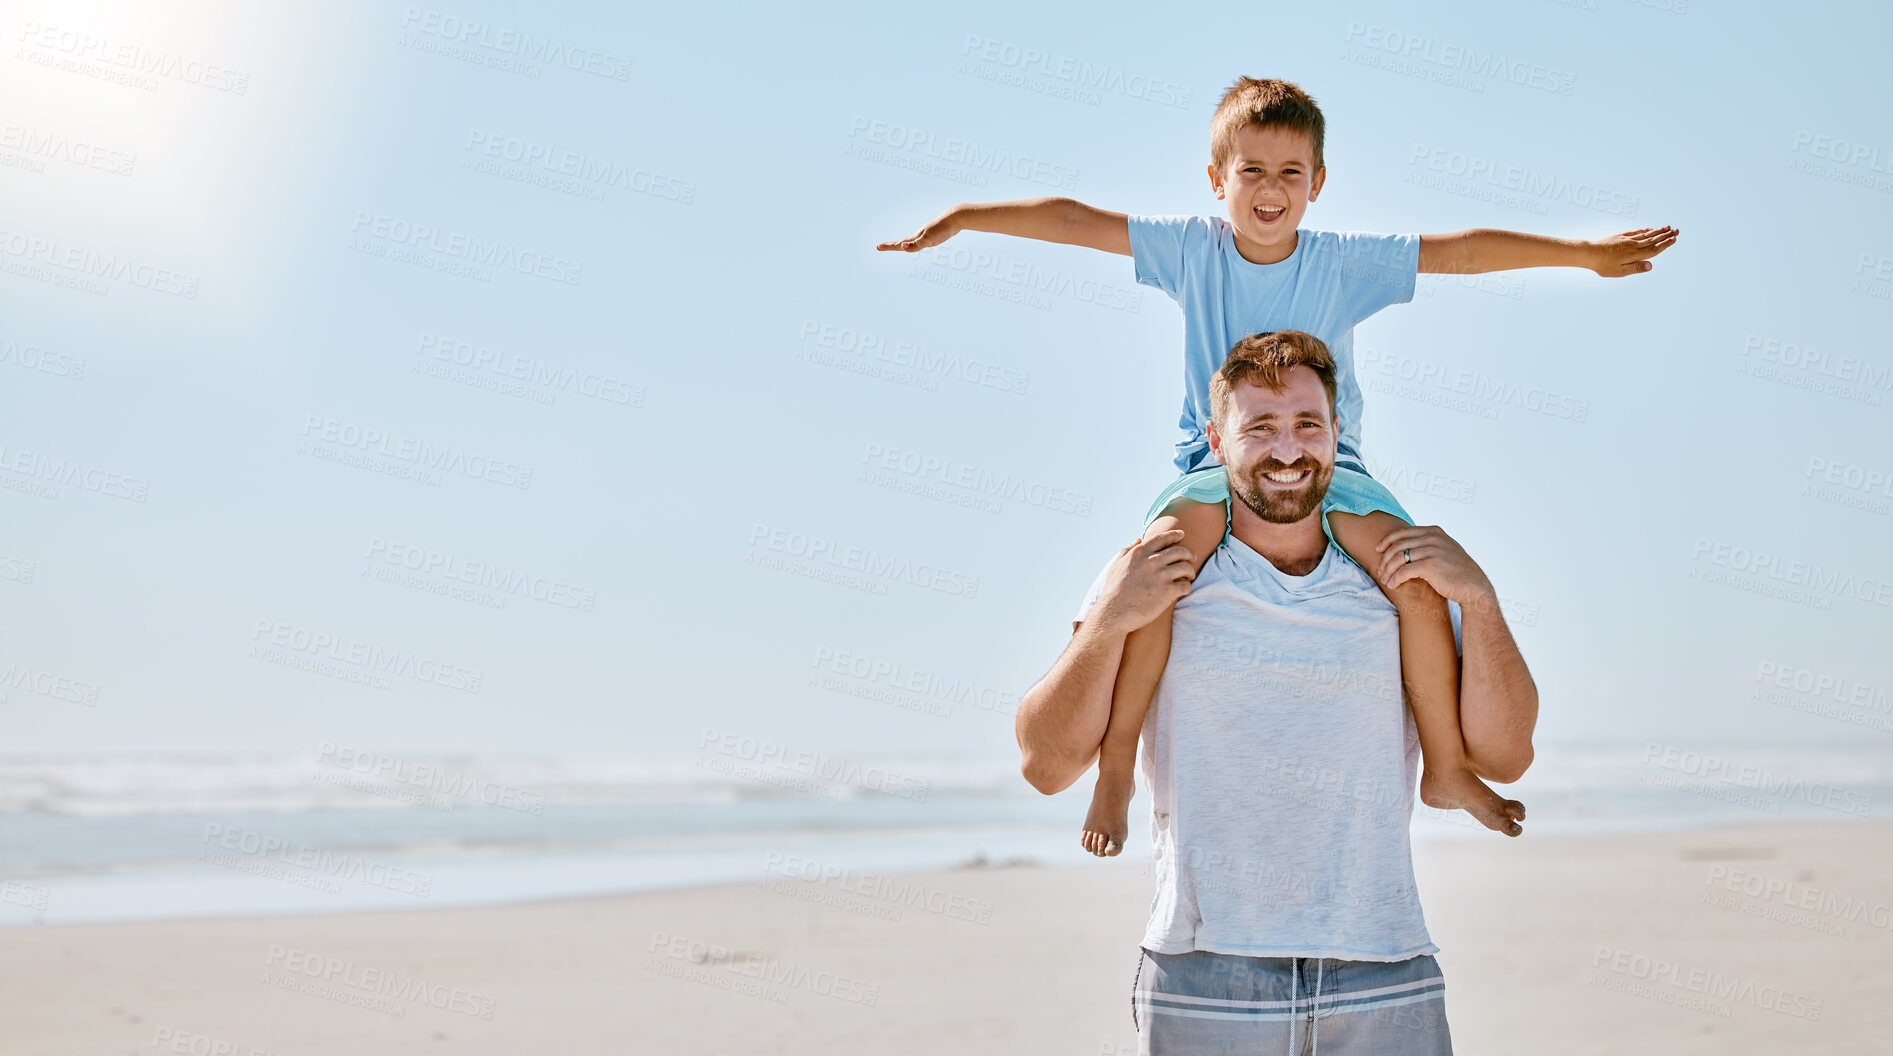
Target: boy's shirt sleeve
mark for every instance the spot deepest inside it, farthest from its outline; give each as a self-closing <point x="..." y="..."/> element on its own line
<point x="1160" y="245"/>
<point x="1374" y="271"/>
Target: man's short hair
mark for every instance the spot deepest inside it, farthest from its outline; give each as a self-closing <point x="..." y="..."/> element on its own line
<point x="1265" y="104"/>
<point x="1260" y="359"/>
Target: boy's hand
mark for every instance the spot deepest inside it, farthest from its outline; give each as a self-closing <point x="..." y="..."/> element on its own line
<point x="935" y="232"/>
<point x="1630" y="252"/>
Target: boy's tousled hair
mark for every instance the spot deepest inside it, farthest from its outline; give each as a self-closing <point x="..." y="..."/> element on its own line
<point x="1267" y="104"/>
<point x="1260" y="359"/>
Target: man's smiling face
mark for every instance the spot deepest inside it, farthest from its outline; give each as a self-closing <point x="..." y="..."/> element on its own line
<point x="1278" y="446"/>
<point x="1268" y="184"/>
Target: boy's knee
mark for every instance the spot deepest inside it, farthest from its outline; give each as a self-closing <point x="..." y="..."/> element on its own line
<point x="1163" y="522"/>
<point x="1185" y="512"/>
<point x="1203" y="524"/>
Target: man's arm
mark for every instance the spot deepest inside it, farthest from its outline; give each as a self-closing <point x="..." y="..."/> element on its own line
<point x="1498" y="701"/>
<point x="1046" y="219"/>
<point x="1062" y="718"/>
<point x="1489" y="249"/>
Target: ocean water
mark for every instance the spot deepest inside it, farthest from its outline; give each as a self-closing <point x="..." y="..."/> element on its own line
<point x="140" y="837"/>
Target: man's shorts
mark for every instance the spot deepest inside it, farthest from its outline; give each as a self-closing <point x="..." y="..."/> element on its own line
<point x="1350" y="490"/>
<point x="1219" y="1004"/>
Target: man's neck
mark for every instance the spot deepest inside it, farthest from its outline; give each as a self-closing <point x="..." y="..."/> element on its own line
<point x="1295" y="549"/>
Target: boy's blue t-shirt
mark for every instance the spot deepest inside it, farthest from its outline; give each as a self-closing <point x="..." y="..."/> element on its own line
<point x="1333" y="280"/>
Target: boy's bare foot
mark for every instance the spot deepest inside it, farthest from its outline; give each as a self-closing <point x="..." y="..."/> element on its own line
<point x="1107" y="823"/>
<point x="1462" y="790"/>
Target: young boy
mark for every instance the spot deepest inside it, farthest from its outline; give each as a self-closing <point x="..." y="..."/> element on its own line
<point x="1259" y="270"/>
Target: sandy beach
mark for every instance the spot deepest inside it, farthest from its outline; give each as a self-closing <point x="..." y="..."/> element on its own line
<point x="1756" y="939"/>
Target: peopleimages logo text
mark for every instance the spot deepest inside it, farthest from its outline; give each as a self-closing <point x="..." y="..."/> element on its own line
<point x="469" y="248"/>
<point x="478" y="34"/>
<point x="962" y="152"/>
<point x="346" y="434"/>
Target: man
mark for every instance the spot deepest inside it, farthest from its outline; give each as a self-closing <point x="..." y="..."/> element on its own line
<point x="1280" y="755"/>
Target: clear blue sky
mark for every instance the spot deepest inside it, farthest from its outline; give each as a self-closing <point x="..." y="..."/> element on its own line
<point x="732" y="169"/>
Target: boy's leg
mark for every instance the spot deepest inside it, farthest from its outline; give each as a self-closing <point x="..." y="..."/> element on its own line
<point x="1146" y="650"/>
<point x="1429" y="665"/>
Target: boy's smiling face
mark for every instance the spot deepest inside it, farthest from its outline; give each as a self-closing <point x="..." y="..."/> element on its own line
<point x="1266" y="188"/>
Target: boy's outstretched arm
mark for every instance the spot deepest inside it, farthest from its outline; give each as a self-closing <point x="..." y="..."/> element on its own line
<point x="1046" y="219"/>
<point x="1484" y="249"/>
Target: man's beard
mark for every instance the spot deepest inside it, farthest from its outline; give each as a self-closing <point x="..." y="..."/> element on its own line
<point x="1276" y="505"/>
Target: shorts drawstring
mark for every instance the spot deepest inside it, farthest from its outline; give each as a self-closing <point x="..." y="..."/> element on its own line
<point x="1135" y="980"/>
<point x="1294" y="985"/>
<point x="1316" y="1006"/>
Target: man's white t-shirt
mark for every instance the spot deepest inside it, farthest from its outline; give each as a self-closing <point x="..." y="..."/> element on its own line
<point x="1282" y="762"/>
